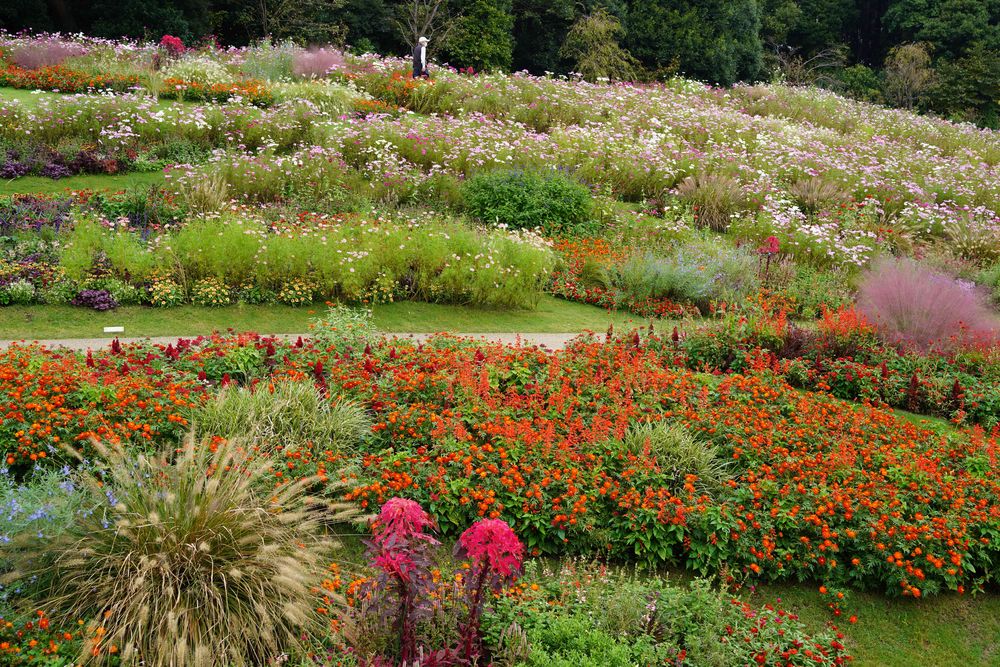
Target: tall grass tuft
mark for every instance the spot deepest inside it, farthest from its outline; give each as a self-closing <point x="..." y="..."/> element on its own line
<point x="914" y="306"/>
<point x="284" y="414"/>
<point x="715" y="198"/>
<point x="191" y="561"/>
<point x="679" y="454"/>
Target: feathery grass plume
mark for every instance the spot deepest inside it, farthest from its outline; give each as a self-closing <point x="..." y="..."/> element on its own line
<point x="283" y="414"/>
<point x="316" y="63"/>
<point x="46" y="52"/>
<point x="715" y="198"/>
<point x="185" y="560"/>
<point x="914" y="306"/>
<point x="816" y="193"/>
<point x="679" y="454"/>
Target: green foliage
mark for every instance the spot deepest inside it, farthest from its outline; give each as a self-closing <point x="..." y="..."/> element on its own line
<point x="813" y="288"/>
<point x="481" y="38"/>
<point x="593" y="46"/>
<point x="716" y="40"/>
<point x="19" y="292"/>
<point x="990" y="279"/>
<point x="590" y="616"/>
<point x="186" y="560"/>
<point x="343" y="327"/>
<point x="969" y="88"/>
<point x="860" y="82"/>
<point x="286" y="415"/>
<point x="908" y="74"/>
<point x="527" y="199"/>
<point x="270" y="61"/>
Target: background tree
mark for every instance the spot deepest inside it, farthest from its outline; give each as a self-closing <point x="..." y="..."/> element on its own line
<point x="540" y="28"/>
<point x="370" y="25"/>
<point x="592" y="45"/>
<point x="908" y="74"/>
<point x="482" y="37"/>
<point x="306" y="21"/>
<point x="712" y="40"/>
<point x="424" y="18"/>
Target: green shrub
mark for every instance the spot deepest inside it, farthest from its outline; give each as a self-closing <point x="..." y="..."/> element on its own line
<point x="285" y="414"/>
<point x="526" y="200"/>
<point x="594" y="616"/>
<point x="60" y="293"/>
<point x="268" y="61"/>
<point x="196" y="560"/>
<point x="342" y="327"/>
<point x="198" y="69"/>
<point x="324" y="96"/>
<point x="123" y="293"/>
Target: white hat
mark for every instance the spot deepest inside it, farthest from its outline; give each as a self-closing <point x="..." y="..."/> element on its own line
<point x="423" y="40"/>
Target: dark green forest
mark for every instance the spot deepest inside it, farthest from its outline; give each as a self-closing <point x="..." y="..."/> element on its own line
<point x="937" y="55"/>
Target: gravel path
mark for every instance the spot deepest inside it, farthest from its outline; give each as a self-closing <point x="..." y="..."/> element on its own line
<point x="551" y="341"/>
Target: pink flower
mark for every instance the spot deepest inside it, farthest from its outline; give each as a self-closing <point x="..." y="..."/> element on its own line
<point x="492" y="542"/>
<point x="770" y="247"/>
<point x="401" y="520"/>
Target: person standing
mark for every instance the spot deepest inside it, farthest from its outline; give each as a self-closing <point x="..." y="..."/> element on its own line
<point x="420" y="58"/>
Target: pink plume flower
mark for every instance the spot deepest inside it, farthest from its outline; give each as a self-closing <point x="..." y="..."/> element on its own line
<point x="402" y="520"/>
<point x="770" y="247"/>
<point x="492" y="542"/>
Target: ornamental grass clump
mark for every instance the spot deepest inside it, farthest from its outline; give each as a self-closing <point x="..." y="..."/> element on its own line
<point x="916" y="307"/>
<point x="681" y="458"/>
<point x="285" y="414"/>
<point x="186" y="559"/>
<point x="715" y="199"/>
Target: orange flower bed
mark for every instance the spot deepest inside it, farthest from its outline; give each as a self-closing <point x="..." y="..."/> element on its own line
<point x="254" y="92"/>
<point x="63" y="80"/>
<point x="820" y="489"/>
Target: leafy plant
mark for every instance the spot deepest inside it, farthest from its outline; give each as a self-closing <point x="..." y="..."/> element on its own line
<point x="680" y="456"/>
<point x="526" y="200"/>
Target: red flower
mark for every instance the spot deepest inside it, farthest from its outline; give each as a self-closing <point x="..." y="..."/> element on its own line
<point x="493" y="542"/>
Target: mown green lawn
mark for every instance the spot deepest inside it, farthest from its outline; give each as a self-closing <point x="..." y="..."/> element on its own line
<point x="942" y="631"/>
<point x="552" y="316"/>
<point x="41" y="185"/>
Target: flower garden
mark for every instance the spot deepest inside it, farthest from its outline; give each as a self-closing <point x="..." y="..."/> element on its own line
<point x="813" y="400"/>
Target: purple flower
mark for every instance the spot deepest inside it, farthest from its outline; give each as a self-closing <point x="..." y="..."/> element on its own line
<point x="98" y="299"/>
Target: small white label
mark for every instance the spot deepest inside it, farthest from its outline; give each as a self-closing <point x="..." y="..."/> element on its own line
<point x="114" y="329"/>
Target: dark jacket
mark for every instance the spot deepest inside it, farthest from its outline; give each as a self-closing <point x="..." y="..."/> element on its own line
<point x="418" y="67"/>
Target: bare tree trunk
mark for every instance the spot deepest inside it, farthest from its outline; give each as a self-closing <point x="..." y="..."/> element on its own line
<point x="424" y="18"/>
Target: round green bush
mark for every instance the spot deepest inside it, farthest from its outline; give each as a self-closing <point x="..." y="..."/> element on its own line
<point x="526" y="200"/>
